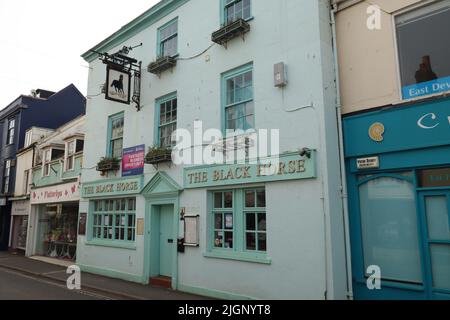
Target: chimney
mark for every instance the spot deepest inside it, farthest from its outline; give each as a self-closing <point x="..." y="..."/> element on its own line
<point x="43" y="94"/>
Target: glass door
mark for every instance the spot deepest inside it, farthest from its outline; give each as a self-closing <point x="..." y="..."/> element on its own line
<point x="436" y="208"/>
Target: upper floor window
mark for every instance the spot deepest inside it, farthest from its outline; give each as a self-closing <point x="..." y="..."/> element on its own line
<point x="72" y="148"/>
<point x="236" y="9"/>
<point x="26" y="182"/>
<point x="50" y="155"/>
<point x="115" y="136"/>
<point x="7" y="172"/>
<point x="46" y="162"/>
<point x="11" y="131"/>
<point x="423" y="50"/>
<point x="167" y="120"/>
<point x="168" y="39"/>
<point x="28" y="138"/>
<point x="239" y="106"/>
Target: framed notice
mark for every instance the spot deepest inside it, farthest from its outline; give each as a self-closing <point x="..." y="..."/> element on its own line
<point x="140" y="227"/>
<point x="82" y="224"/>
<point x="191" y="231"/>
<point x="118" y="84"/>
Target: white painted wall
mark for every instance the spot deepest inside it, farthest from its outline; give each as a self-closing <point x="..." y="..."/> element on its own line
<point x="296" y="32"/>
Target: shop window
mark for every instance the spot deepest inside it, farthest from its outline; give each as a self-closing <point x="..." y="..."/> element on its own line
<point x="115" y="136"/>
<point x="167" y="120"/>
<point x="239" y="105"/>
<point x="238" y="221"/>
<point x="389" y="228"/>
<point x="6" y="174"/>
<point x="114" y="220"/>
<point x="168" y="39"/>
<point x="236" y="9"/>
<point x="423" y="50"/>
<point x="11" y="131"/>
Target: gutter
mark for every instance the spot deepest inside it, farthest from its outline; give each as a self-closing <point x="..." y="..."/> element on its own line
<point x="344" y="189"/>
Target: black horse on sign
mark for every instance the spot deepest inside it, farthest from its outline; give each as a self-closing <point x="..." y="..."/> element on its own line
<point x="118" y="85"/>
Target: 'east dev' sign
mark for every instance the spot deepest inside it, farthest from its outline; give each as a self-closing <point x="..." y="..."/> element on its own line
<point x="133" y="161"/>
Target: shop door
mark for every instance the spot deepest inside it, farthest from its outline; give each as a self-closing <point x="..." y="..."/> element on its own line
<point x="166" y="240"/>
<point x="436" y="229"/>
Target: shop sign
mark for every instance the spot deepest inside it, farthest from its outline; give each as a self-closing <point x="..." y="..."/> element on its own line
<point x="20" y="208"/>
<point x="112" y="187"/>
<point x="368" y="163"/>
<point x="426" y="88"/>
<point x="431" y="178"/>
<point x="55" y="194"/>
<point x="290" y="166"/>
<point x="133" y="161"/>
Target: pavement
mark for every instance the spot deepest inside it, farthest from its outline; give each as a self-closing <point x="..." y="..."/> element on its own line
<point x="96" y="284"/>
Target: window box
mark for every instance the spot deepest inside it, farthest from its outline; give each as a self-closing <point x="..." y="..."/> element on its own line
<point x="158" y="155"/>
<point x="230" y="31"/>
<point x="108" y="164"/>
<point x="161" y="64"/>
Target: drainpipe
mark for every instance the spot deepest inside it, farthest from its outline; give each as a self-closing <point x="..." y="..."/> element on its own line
<point x="342" y="158"/>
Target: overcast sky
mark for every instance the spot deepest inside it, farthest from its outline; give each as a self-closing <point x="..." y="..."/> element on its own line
<point x="41" y="40"/>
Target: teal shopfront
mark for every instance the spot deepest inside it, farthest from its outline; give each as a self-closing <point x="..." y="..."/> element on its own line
<point x="398" y="173"/>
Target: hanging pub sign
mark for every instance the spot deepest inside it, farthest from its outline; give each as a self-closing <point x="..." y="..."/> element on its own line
<point x="118" y="84"/>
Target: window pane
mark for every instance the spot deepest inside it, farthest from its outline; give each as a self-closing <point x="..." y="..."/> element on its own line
<point x="228" y="240"/>
<point x="261" y="222"/>
<point x="389" y="228"/>
<point x="228" y="220"/>
<point x="261" y="196"/>
<point x="250" y="199"/>
<point x="423" y="57"/>
<point x="437" y="218"/>
<point x="250" y="221"/>
<point x="218" y="223"/>
<point x="228" y="200"/>
<point x="262" y="242"/>
<point x="218" y="239"/>
<point x="218" y="200"/>
<point x="440" y="263"/>
<point x="250" y="241"/>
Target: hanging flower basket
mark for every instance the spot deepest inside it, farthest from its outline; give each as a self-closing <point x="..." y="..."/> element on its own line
<point x="157" y="155"/>
<point x="108" y="164"/>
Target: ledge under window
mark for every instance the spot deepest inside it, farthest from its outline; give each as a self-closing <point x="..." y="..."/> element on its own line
<point x="112" y="244"/>
<point x="239" y="256"/>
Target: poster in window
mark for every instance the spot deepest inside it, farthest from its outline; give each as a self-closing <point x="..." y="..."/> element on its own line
<point x="118" y="85"/>
<point x="229" y="221"/>
<point x="82" y="224"/>
<point x="191" y="234"/>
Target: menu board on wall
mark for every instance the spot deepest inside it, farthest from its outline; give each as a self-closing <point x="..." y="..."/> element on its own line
<point x="82" y="224"/>
<point x="191" y="232"/>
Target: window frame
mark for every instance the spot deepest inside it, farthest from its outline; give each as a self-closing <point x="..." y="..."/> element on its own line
<point x="6" y="176"/>
<point x="28" y="138"/>
<point x="394" y="17"/>
<point x="239" y="250"/>
<point x="157" y="124"/>
<point x="11" y="131"/>
<point x="109" y="146"/>
<point x="223" y="7"/>
<point x="115" y="213"/>
<point x="46" y="163"/>
<point x="224" y="106"/>
<point x="159" y="51"/>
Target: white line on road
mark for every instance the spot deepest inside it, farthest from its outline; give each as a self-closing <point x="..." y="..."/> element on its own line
<point x="83" y="292"/>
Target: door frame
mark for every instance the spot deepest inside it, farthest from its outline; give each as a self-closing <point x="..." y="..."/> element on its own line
<point x="421" y="194"/>
<point x="389" y="289"/>
<point x="152" y="227"/>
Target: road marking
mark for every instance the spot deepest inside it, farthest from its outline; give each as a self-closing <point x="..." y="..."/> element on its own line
<point x="82" y="292"/>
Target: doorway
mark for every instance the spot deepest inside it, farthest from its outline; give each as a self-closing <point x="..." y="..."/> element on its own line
<point x="435" y="206"/>
<point x="162" y="244"/>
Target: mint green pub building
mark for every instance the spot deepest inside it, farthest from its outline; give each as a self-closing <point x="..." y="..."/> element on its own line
<point x="225" y="230"/>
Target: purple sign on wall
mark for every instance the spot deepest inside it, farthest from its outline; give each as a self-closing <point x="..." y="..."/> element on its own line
<point x="133" y="161"/>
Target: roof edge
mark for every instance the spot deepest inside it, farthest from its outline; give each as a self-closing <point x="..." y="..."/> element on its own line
<point x="149" y="17"/>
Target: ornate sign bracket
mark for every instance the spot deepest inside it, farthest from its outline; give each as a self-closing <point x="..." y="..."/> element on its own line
<point x="121" y="61"/>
